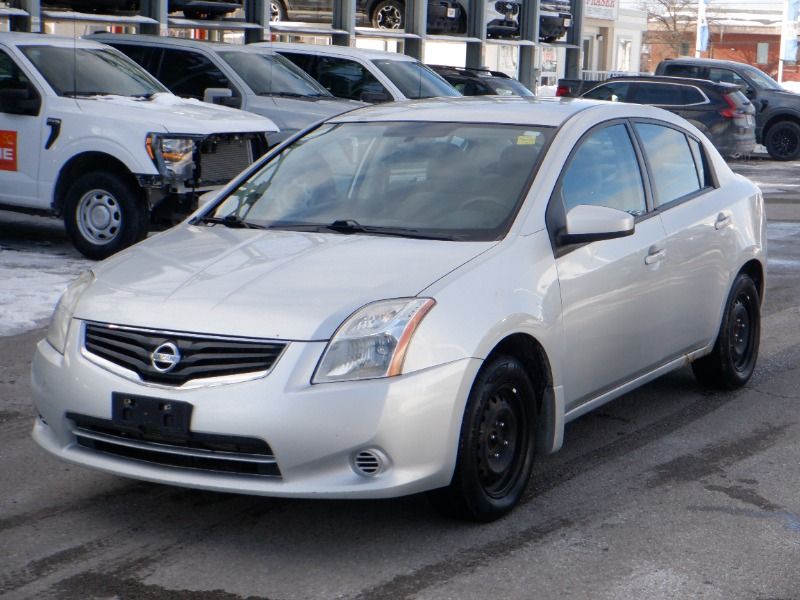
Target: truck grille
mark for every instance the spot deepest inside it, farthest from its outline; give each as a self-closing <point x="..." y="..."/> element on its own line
<point x="203" y="451"/>
<point x="223" y="157"/>
<point x="175" y="358"/>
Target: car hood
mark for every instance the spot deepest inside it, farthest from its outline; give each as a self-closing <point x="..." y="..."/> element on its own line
<point x="176" y="115"/>
<point x="265" y="284"/>
<point x="291" y="113"/>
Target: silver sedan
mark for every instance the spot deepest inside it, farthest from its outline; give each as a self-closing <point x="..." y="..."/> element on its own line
<point x="410" y="298"/>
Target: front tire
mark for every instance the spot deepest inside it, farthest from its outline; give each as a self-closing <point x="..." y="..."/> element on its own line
<point x="389" y="14"/>
<point x="783" y="141"/>
<point x="277" y="12"/>
<point x="104" y="213"/>
<point x="733" y="359"/>
<point x="497" y="444"/>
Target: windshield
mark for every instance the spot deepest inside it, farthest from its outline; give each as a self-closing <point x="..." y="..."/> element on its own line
<point x="269" y="74"/>
<point x="414" y="79"/>
<point x="91" y="72"/>
<point x="454" y="181"/>
<point x="761" y="80"/>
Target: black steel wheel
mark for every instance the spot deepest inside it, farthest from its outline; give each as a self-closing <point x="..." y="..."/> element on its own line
<point x="733" y="359"/>
<point x="497" y="444"/>
<point x="389" y="14"/>
<point x="783" y="140"/>
<point x="104" y="213"/>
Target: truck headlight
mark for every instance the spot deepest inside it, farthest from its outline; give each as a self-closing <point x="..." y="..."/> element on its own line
<point x="372" y="342"/>
<point x="59" y="324"/>
<point x="174" y="156"/>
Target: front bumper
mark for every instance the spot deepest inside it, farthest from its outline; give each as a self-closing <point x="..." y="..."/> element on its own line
<point x="314" y="431"/>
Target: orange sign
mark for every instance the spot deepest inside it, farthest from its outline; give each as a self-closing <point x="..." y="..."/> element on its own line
<point x="8" y="150"/>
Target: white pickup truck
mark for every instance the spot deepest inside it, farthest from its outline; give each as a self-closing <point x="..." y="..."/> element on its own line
<point x="88" y="134"/>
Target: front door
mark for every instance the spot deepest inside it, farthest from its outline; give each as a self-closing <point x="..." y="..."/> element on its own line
<point x="20" y="143"/>
<point x="612" y="291"/>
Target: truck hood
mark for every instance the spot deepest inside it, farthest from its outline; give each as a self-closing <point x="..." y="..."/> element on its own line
<point x="264" y="284"/>
<point x="291" y="114"/>
<point x="176" y="115"/>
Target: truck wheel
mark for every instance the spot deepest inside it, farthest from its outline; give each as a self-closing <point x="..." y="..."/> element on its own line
<point x="277" y="12"/>
<point x="783" y="141"/>
<point x="103" y="214"/>
<point x="389" y="14"/>
<point x="497" y="444"/>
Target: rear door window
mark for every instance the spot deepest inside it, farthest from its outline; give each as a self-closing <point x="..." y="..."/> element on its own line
<point x="672" y="163"/>
<point x="684" y="71"/>
<point x="615" y="92"/>
<point x="347" y="78"/>
<point x="660" y="93"/>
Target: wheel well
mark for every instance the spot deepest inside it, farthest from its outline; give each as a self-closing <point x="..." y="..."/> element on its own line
<point x="530" y="353"/>
<point x="755" y="270"/>
<point x="84" y="163"/>
<point x="777" y="119"/>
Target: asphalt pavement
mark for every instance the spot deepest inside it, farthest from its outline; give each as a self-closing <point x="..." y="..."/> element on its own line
<point x="669" y="492"/>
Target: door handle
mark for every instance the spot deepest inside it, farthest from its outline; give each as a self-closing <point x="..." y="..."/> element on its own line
<point x="654" y="254"/>
<point x="722" y="221"/>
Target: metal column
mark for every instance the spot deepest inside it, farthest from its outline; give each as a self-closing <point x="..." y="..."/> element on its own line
<point x="416" y="18"/>
<point x="476" y="28"/>
<point x="157" y="10"/>
<point x="258" y="12"/>
<point x="529" y="30"/>
<point x="575" y="40"/>
<point x="31" y="23"/>
<point x="344" y="19"/>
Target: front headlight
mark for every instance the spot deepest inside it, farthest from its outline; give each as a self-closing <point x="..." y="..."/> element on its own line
<point x="59" y="324"/>
<point x="372" y="342"/>
<point x="174" y="156"/>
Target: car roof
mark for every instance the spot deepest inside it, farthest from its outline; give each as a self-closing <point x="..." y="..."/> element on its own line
<point x="159" y="40"/>
<point x="363" y="53"/>
<point x="545" y="112"/>
<point x="721" y="85"/>
<point x="15" y="38"/>
<point x="705" y="62"/>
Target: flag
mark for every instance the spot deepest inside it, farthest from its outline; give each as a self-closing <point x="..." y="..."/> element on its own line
<point x="701" y="44"/>
<point x="789" y="31"/>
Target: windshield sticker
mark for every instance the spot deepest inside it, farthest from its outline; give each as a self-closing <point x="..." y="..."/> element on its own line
<point x="526" y="140"/>
<point x="8" y="150"/>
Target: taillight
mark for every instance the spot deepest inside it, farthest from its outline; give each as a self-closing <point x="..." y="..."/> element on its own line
<point x="732" y="110"/>
<point x="562" y="90"/>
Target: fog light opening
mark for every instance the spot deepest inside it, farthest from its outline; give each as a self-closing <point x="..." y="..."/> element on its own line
<point x="369" y="463"/>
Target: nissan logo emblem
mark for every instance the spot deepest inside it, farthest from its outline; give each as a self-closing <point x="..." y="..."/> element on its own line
<point x="165" y="358"/>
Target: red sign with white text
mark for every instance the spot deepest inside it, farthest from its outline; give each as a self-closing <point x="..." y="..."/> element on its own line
<point x="8" y="150"/>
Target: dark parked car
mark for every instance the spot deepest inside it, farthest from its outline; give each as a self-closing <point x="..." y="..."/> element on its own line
<point x="719" y="110"/>
<point x="777" y="110"/>
<point x="444" y="16"/>
<point x="193" y="9"/>
<point x="481" y="82"/>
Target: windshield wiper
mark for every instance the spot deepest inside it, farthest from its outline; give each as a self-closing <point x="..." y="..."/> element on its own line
<point x="231" y="221"/>
<point x="353" y="226"/>
<point x="283" y="94"/>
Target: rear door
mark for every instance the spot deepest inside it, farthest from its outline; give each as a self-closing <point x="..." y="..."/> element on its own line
<point x="699" y="227"/>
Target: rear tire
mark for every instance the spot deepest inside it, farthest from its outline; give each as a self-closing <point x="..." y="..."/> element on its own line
<point x="783" y="141"/>
<point x="104" y="213"/>
<point x="733" y="359"/>
<point x="277" y="12"/>
<point x="497" y="445"/>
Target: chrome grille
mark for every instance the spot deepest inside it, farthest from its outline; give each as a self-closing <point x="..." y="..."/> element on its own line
<point x="202" y="451"/>
<point x="199" y="356"/>
<point x="222" y="157"/>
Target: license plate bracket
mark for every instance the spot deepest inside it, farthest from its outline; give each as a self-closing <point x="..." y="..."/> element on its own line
<point x="151" y="415"/>
<point x="451" y="13"/>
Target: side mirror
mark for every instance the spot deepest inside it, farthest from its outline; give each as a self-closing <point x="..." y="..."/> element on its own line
<point x="217" y="95"/>
<point x="375" y="96"/>
<point x="22" y="100"/>
<point x="589" y="223"/>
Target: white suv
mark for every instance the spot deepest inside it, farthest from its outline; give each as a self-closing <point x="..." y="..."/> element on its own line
<point x="88" y="134"/>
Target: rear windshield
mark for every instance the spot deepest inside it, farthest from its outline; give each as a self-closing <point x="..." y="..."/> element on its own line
<point x="453" y="181"/>
<point x="91" y="72"/>
<point x="270" y="74"/>
<point x="414" y="79"/>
